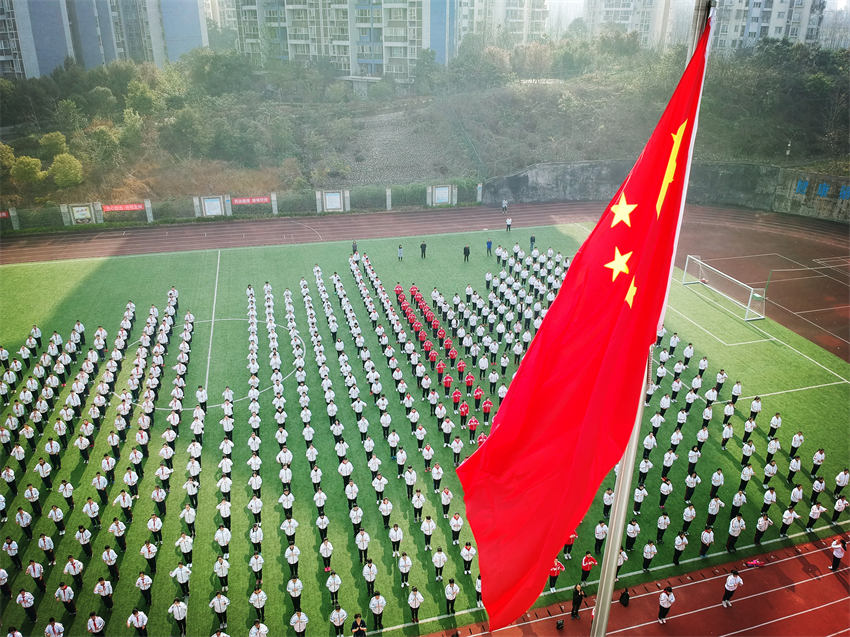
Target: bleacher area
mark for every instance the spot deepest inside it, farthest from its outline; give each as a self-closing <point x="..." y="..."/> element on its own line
<point x="320" y="326"/>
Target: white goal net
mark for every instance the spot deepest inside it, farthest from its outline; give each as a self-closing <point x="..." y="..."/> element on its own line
<point x="741" y="299"/>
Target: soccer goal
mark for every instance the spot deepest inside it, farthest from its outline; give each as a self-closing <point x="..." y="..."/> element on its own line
<point x="746" y="301"/>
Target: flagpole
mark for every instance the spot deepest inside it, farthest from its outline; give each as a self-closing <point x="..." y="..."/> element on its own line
<point x="622" y="488"/>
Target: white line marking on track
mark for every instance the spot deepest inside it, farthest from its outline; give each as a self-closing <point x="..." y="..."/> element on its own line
<point x="737" y="600"/>
<point x="797" y="314"/>
<point x="629" y="574"/>
<point x="814" y="269"/>
<point x="779" y="619"/>
<point x="212" y="320"/>
<point x="823" y="309"/>
<point x="743" y="256"/>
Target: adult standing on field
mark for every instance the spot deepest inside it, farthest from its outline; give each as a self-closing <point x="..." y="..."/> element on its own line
<point x="422" y="248"/>
<point x="578" y="596"/>
<point x="508" y="223"/>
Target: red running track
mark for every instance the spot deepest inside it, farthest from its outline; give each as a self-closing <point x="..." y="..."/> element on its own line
<point x="793" y="595"/>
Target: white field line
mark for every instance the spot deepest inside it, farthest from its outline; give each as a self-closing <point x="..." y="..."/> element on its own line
<point x="832" y="261"/>
<point x="790" y="391"/>
<point x="776" y="281"/>
<point x="714" y="336"/>
<point x="778" y="340"/>
<point x="212" y="320"/>
<point x="623" y="575"/>
<point x="780" y="619"/>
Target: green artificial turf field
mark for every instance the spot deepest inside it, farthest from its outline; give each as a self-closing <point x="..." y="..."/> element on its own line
<point x="808" y="385"/>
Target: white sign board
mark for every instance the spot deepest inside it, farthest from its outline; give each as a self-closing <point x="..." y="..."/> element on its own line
<point x="442" y="195"/>
<point x="333" y="201"/>
<point x="213" y="206"/>
<point x="81" y="214"/>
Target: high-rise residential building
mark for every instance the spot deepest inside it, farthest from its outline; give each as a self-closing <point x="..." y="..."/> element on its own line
<point x="505" y="22"/>
<point x="37" y="36"/>
<point x="222" y="13"/>
<point x="648" y="18"/>
<point x="742" y="23"/>
<point x="370" y="39"/>
<point x="835" y="30"/>
<point x="158" y="31"/>
<point x="363" y="39"/>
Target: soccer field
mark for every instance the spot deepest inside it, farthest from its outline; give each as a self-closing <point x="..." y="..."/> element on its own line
<point x="810" y="387"/>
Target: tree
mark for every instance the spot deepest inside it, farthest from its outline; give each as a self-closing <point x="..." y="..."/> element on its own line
<point x="66" y="170"/>
<point x="427" y="72"/>
<point x="131" y="131"/>
<point x="52" y="144"/>
<point x="101" y="102"/>
<point x="140" y="98"/>
<point x="7" y="157"/>
<point x="185" y="134"/>
<point x="26" y="171"/>
<point x="103" y="146"/>
<point x="68" y="117"/>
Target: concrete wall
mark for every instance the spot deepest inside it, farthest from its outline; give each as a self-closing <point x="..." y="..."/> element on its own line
<point x="760" y="187"/>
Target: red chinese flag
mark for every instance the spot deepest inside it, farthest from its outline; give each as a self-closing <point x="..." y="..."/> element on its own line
<point x="570" y="409"/>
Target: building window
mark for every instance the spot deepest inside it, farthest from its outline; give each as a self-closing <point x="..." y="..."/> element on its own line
<point x="777" y="31"/>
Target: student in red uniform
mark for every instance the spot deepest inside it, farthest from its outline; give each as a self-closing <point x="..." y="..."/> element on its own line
<point x="478" y="394"/>
<point x="472" y="425"/>
<point x="456" y="396"/>
<point x="486" y="407"/>
<point x="587" y="563"/>
<point x="464" y="414"/>
<point x="469" y="379"/>
<point x="447" y="384"/>
<point x="441" y="370"/>
<point x="557" y="569"/>
<point x="568" y="545"/>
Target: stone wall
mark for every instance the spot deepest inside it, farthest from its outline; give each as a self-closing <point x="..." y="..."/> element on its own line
<point x="756" y="186"/>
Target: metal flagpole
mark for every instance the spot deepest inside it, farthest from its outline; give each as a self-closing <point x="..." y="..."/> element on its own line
<point x="622" y="489"/>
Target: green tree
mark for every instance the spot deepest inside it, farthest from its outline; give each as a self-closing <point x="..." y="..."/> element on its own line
<point x="26" y="171"/>
<point x="185" y="134"/>
<point x="68" y="117"/>
<point x="101" y="102"/>
<point x="104" y="149"/>
<point x="7" y="157"/>
<point x="52" y="144"/>
<point x="66" y="170"/>
<point x="140" y="98"/>
<point x="427" y="73"/>
<point x="131" y="130"/>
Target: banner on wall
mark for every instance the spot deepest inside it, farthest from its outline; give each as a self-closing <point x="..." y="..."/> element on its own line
<point x="4" y="214"/>
<point x="243" y="201"/>
<point x="125" y="207"/>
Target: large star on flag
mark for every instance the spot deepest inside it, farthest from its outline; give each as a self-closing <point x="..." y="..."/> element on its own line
<point x="619" y="264"/>
<point x="621" y="211"/>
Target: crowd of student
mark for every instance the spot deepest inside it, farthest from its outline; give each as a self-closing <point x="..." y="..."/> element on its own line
<point x="443" y="353"/>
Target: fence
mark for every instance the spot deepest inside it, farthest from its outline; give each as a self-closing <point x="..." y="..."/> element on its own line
<point x="183" y="209"/>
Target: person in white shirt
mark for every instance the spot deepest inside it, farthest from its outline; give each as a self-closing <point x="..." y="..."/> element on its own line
<point x="333" y="584"/>
<point x="298" y="622"/>
<point x="452" y="591"/>
<point x="377" y="605"/>
<point x="415" y="601"/>
<point x="295" y="587"/>
<point x="181" y="575"/>
<point x="139" y="621"/>
<point x="733" y="583"/>
<point x="178" y="610"/>
<point x="665" y="601"/>
<point x="736" y="525"/>
<point x="258" y="600"/>
<point x="439" y="560"/>
<point x="337" y="619"/>
<point x="219" y="604"/>
<point x="839" y="548"/>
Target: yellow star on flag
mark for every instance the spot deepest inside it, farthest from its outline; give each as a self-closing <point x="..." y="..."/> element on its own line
<point x="619" y="264"/>
<point x="630" y="295"/>
<point x="621" y="211"/>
